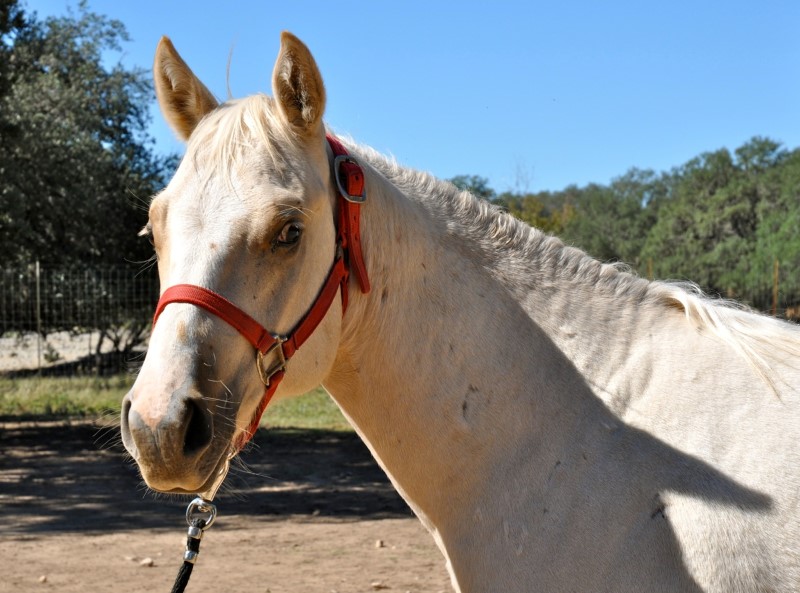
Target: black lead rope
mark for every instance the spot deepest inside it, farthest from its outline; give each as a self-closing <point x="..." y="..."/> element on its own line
<point x="199" y="515"/>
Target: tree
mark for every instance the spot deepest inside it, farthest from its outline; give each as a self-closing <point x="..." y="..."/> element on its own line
<point x="12" y="20"/>
<point x="689" y="226"/>
<point x="76" y="164"/>
<point x="475" y="184"/>
<point x="712" y="228"/>
<point x="548" y="212"/>
<point x="612" y="222"/>
<point x="777" y="237"/>
<point x="76" y="170"/>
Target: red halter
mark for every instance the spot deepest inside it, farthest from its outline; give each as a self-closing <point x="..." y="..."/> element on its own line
<point x="273" y="351"/>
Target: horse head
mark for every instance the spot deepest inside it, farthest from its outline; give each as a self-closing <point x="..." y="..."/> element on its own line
<point x="249" y="216"/>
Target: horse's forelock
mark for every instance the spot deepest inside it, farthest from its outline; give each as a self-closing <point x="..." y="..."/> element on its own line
<point x="235" y="129"/>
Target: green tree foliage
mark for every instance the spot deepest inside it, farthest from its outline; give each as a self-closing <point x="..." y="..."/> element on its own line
<point x="12" y="20"/>
<point x="711" y="230"/>
<point x="76" y="172"/>
<point x="777" y="234"/>
<point x="544" y="210"/>
<point x="611" y="222"/>
<point x="76" y="164"/>
<point x="475" y="184"/>
<point x="721" y="220"/>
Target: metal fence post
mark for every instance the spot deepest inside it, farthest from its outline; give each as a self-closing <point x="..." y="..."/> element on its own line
<point x="775" y="286"/>
<point x="38" y="319"/>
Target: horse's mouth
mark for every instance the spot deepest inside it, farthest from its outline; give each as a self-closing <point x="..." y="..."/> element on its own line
<point x="209" y="489"/>
<point x="204" y="477"/>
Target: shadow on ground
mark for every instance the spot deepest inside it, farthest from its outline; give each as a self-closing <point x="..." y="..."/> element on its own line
<point x="74" y="476"/>
<point x="104" y="364"/>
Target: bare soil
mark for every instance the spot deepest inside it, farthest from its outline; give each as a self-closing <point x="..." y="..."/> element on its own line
<point x="312" y="512"/>
<point x="23" y="353"/>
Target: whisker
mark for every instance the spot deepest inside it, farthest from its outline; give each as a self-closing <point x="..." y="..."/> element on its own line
<point x="109" y="437"/>
<point x="146" y="265"/>
<point x="242" y="467"/>
<point x="138" y="202"/>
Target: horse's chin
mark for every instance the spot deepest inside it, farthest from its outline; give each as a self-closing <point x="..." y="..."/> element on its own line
<point x="188" y="482"/>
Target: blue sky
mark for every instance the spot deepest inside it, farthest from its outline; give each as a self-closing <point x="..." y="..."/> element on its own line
<point x="531" y="95"/>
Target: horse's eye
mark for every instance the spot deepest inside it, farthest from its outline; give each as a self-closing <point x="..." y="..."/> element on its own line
<point x="290" y="234"/>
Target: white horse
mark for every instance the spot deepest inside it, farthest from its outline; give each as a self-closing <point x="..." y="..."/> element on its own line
<point x="556" y="423"/>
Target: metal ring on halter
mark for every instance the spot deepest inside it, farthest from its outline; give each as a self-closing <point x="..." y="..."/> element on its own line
<point x="344" y="191"/>
<point x="199" y="510"/>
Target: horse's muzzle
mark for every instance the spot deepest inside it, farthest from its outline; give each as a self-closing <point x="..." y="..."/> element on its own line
<point x="171" y="441"/>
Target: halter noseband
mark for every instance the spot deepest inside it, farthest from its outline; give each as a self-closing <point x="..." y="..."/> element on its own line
<point x="273" y="350"/>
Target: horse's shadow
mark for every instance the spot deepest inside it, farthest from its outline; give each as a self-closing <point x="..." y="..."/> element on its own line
<point x="619" y="480"/>
<point x="73" y="476"/>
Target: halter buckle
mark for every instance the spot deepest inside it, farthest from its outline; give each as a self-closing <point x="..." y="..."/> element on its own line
<point x="351" y="187"/>
<point x="267" y="368"/>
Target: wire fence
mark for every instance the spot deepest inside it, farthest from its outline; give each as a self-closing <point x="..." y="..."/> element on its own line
<point x="74" y="320"/>
<point x="97" y="319"/>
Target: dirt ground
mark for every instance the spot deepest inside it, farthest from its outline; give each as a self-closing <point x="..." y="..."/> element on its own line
<point x="312" y="513"/>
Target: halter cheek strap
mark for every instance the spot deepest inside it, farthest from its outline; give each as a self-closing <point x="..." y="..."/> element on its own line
<point x="272" y="350"/>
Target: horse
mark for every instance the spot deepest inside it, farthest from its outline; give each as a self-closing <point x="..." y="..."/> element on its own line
<point x="556" y="423"/>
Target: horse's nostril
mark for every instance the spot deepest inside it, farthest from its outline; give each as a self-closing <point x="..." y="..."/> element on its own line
<point x="198" y="429"/>
<point x="127" y="439"/>
<point x="126" y="409"/>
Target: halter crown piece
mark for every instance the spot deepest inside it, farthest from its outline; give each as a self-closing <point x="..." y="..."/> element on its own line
<point x="272" y="350"/>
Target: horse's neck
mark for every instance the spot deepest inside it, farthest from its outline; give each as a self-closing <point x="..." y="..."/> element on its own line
<point x="431" y="268"/>
<point x="474" y="374"/>
<point x="443" y="357"/>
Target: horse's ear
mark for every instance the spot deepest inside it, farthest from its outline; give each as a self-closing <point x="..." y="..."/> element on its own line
<point x="183" y="99"/>
<point x="298" y="88"/>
